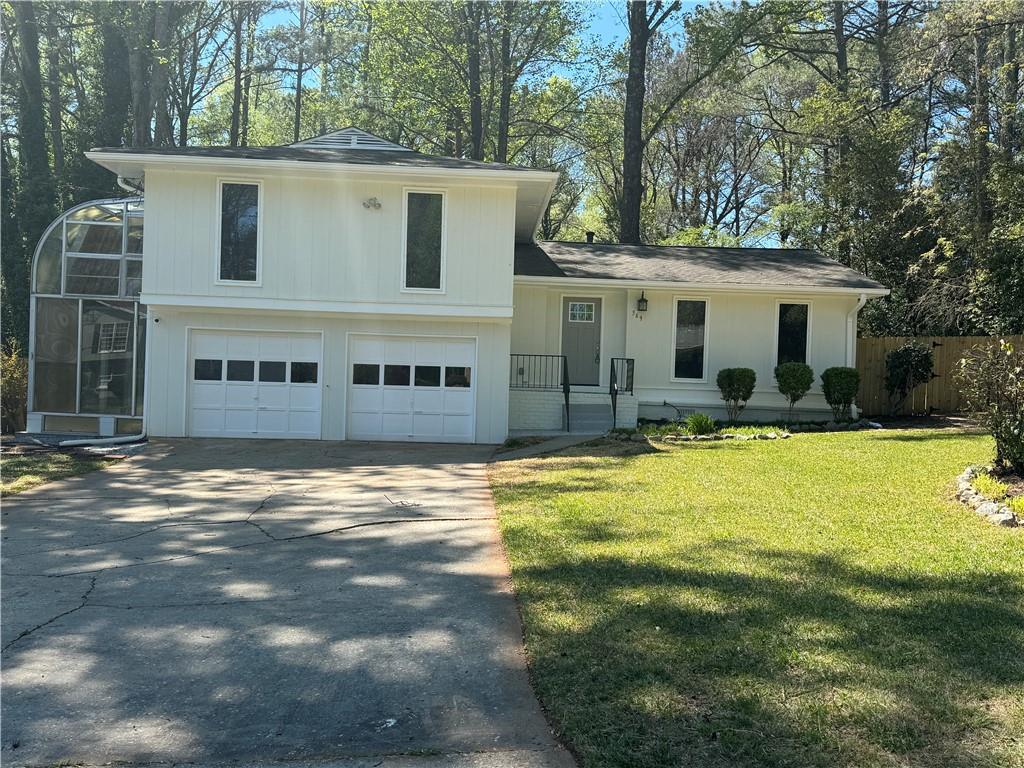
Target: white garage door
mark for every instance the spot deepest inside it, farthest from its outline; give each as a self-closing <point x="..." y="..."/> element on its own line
<point x="254" y="384"/>
<point x="411" y="388"/>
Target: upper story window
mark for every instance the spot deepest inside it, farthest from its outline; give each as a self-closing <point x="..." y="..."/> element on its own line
<point x="239" y="236"/>
<point x="794" y="323"/>
<point x="691" y="327"/>
<point x="423" y="253"/>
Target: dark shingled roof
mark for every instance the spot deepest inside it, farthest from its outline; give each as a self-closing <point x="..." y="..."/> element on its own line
<point x="687" y="264"/>
<point x="355" y="156"/>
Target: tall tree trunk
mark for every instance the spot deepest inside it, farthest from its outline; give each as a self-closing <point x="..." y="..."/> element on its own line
<point x="1011" y="89"/>
<point x="508" y="9"/>
<point x="299" y="66"/>
<point x="37" y="195"/>
<point x="139" y="61"/>
<point x="471" y="16"/>
<point x="882" y="51"/>
<point x="981" y="133"/>
<point x="840" y="171"/>
<point x="54" y="95"/>
<point x="164" y="134"/>
<point x="238" y="17"/>
<point x="325" y="68"/>
<point x="250" y="45"/>
<point x="633" y="120"/>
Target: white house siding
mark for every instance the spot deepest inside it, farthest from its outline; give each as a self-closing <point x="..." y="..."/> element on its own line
<point x="740" y="333"/>
<point x="168" y="350"/>
<point x="321" y="244"/>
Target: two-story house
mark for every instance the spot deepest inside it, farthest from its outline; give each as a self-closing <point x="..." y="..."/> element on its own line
<point x="345" y="287"/>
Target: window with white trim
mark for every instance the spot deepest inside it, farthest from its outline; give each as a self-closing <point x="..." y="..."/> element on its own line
<point x="113" y="337"/>
<point x="423" y="256"/>
<point x="581" y="311"/>
<point x="239" y="232"/>
<point x="690" y="332"/>
<point x="792" y="337"/>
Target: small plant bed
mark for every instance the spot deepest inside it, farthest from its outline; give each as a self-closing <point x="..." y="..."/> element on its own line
<point x="26" y="466"/>
<point x="999" y="499"/>
<point x="691" y="429"/>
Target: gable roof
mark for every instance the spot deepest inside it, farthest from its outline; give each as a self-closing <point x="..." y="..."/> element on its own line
<point x="795" y="268"/>
<point x="351" y="137"/>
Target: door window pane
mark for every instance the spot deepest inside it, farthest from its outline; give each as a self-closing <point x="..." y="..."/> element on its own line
<point x="456" y="376"/>
<point x="132" y="277"/>
<point x="207" y="370"/>
<point x="93" y="277"/>
<point x="689" y="345"/>
<point x="396" y="375"/>
<point x="792" y="333"/>
<point x="272" y="371"/>
<point x="134" y="241"/>
<point x="56" y="355"/>
<point x="106" y="357"/>
<point x="581" y="312"/>
<point x="365" y="373"/>
<point x="428" y="376"/>
<point x="239" y="229"/>
<point x="423" y="226"/>
<point x="241" y="370"/>
<point x="304" y="373"/>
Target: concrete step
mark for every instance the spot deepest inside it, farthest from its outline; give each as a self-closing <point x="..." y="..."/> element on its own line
<point x="590" y="418"/>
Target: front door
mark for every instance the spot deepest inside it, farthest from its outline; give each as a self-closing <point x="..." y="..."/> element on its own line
<point x="581" y="339"/>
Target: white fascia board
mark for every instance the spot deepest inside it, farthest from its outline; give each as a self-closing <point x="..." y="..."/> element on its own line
<point x="687" y="286"/>
<point x="257" y="304"/>
<point x="308" y="166"/>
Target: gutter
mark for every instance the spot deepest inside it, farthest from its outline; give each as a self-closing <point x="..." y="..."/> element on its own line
<point x="865" y="293"/>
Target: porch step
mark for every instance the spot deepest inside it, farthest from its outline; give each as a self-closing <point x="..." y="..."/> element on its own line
<point x="590" y="418"/>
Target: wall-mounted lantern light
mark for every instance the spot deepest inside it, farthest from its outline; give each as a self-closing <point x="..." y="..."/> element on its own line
<point x="641" y="307"/>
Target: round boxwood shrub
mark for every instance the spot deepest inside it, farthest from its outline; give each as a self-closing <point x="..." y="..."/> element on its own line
<point x="736" y="386"/>
<point x="906" y="368"/>
<point x="839" y="386"/>
<point x="700" y="424"/>
<point x="793" y="380"/>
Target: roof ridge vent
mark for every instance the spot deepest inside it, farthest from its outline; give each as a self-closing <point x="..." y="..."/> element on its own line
<point x="350" y="138"/>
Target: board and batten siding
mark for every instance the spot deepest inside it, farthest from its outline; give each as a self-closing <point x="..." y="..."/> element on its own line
<point x="740" y="333"/>
<point x="169" y="374"/>
<point x="319" y="243"/>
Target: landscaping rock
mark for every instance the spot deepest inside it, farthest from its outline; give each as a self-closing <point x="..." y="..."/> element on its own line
<point x="1006" y="519"/>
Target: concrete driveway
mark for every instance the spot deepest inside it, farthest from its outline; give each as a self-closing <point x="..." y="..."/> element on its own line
<point x="214" y="601"/>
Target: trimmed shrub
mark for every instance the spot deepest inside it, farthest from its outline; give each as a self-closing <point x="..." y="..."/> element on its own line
<point x="794" y="380"/>
<point x="736" y="386"/>
<point x="905" y="369"/>
<point x="991" y="380"/>
<point x="13" y="387"/>
<point x="700" y="424"/>
<point x="839" y="385"/>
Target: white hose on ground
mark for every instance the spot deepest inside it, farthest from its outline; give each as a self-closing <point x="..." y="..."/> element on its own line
<point x="119" y="440"/>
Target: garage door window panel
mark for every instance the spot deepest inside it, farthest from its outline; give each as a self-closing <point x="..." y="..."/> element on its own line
<point x="366" y="374"/>
<point x="241" y="370"/>
<point x="428" y="376"/>
<point x="304" y="373"/>
<point x="457" y="377"/>
<point x="208" y="370"/>
<point x="272" y="371"/>
<point x="396" y="375"/>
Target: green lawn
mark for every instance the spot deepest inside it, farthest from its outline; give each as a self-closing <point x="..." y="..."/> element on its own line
<point x="819" y="601"/>
<point x="21" y="472"/>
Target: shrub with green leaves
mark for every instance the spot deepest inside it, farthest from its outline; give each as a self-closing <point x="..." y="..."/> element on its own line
<point x="13" y="386"/>
<point x="794" y="381"/>
<point x="736" y="386"/>
<point x="906" y="368"/>
<point x="991" y="381"/>
<point x="839" y="385"/>
<point x="700" y="424"/>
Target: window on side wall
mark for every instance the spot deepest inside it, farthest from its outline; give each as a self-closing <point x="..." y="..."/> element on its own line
<point x="239" y="232"/>
<point x="423" y="257"/>
<point x="793" y="322"/>
<point x="688" y="361"/>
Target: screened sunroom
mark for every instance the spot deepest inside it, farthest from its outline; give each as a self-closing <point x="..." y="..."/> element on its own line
<point x="88" y="331"/>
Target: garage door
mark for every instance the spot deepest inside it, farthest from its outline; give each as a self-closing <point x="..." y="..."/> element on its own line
<point x="410" y="388"/>
<point x="255" y="384"/>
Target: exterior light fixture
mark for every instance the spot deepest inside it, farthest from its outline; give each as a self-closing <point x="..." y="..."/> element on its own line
<point x="641" y="307"/>
<point x="373" y="202"/>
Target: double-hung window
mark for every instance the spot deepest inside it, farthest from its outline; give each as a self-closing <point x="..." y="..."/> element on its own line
<point x="424" y="248"/>
<point x="690" y="340"/>
<point x="793" y="332"/>
<point x="239" y="232"/>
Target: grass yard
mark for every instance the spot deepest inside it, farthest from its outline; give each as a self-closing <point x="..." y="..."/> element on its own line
<point x="819" y="601"/>
<point x="19" y="472"/>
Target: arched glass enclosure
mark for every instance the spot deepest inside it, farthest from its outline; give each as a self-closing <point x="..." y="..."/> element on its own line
<point x="88" y="341"/>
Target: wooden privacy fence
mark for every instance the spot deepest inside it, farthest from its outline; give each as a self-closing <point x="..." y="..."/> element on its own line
<point x="940" y="394"/>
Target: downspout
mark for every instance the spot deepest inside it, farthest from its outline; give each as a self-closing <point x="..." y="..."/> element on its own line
<point x="134" y="186"/>
<point x="851" y="340"/>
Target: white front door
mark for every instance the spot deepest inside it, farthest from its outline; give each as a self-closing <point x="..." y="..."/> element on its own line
<point x="255" y="384"/>
<point x="412" y="388"/>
